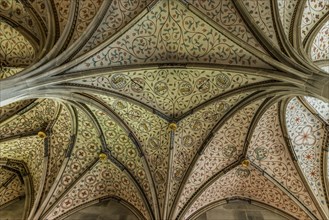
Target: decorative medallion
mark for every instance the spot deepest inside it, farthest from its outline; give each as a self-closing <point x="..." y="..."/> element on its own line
<point x="118" y="81"/>
<point x="261" y="153"/>
<point x="222" y="81"/>
<point x="229" y="151"/>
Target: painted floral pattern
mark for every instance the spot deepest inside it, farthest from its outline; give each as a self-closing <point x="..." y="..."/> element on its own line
<point x="172" y="92"/>
<point x="60" y="140"/>
<point x="152" y="133"/>
<point x="13" y="108"/>
<point x="18" y="12"/>
<point x="191" y="134"/>
<point x="247" y="183"/>
<point x="41" y="10"/>
<point x="123" y="148"/>
<point x="29" y="121"/>
<point x="104" y="179"/>
<point x="62" y="9"/>
<point x="286" y="11"/>
<point x="120" y="13"/>
<point x="15" y="49"/>
<point x="308" y="137"/>
<point x="313" y="12"/>
<point x="225" y="14"/>
<point x="320" y="46"/>
<point x="259" y="11"/>
<point x="6" y="72"/>
<point x="86" y="12"/>
<point x="136" y="68"/>
<point x="84" y="152"/>
<point x="305" y="137"/>
<point x="320" y="106"/>
<point x="12" y="191"/>
<point x="169" y="32"/>
<point x="225" y="148"/>
<point x="33" y="148"/>
<point x="269" y="151"/>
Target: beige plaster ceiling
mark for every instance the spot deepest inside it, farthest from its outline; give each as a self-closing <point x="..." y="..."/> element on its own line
<point x="171" y="107"/>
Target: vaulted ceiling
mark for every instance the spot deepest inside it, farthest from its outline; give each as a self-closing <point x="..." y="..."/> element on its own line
<point x="170" y="107"/>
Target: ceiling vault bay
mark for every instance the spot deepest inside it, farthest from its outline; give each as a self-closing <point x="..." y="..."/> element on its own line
<point x="169" y="107"/>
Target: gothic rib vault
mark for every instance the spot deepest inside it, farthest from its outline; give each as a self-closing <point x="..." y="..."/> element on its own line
<point x="161" y="105"/>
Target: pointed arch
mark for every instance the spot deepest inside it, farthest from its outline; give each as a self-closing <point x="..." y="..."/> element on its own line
<point x="213" y="205"/>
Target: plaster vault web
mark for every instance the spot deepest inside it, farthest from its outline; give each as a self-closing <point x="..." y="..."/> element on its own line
<point x="171" y="107"/>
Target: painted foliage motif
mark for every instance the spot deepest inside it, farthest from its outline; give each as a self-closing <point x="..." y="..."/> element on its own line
<point x="151" y="63"/>
<point x="4" y="175"/>
<point x="313" y="12"/>
<point x="13" y="108"/>
<point x="320" y="106"/>
<point x="24" y="149"/>
<point x="172" y="91"/>
<point x="260" y="11"/>
<point x="122" y="148"/>
<point x="119" y="14"/>
<point x="84" y="153"/>
<point x="170" y="33"/>
<point x="41" y="9"/>
<point x="103" y="179"/>
<point x="269" y="151"/>
<point x="225" y="14"/>
<point x="86" y="12"/>
<point x="12" y="191"/>
<point x="60" y="139"/>
<point x="27" y="121"/>
<point x="225" y="148"/>
<point x="6" y="72"/>
<point x="191" y="134"/>
<point x="320" y="46"/>
<point x="153" y="135"/>
<point x="62" y="10"/>
<point x="307" y="135"/>
<point x="247" y="183"/>
<point x="15" y="49"/>
<point x="21" y="15"/>
<point x="286" y="11"/>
